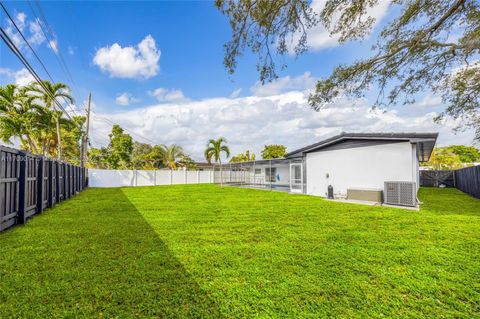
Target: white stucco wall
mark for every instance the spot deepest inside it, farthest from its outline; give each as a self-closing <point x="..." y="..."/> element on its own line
<point x="282" y="175"/>
<point x="360" y="167"/>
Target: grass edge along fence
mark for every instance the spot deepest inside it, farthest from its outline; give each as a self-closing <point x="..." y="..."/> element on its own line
<point x="31" y="183"/>
<point x="465" y="179"/>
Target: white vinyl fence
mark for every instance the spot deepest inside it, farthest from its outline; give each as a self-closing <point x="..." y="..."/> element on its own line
<point x="119" y="178"/>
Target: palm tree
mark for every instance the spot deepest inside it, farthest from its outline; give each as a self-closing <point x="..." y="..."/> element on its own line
<point x="48" y="93"/>
<point x="46" y="121"/>
<point x="171" y="156"/>
<point x="214" y="149"/>
<point x="17" y="116"/>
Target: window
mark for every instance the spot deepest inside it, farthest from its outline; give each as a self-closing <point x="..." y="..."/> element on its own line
<point x="270" y="174"/>
<point x="258" y="171"/>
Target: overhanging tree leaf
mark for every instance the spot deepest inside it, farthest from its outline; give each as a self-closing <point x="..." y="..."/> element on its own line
<point x="430" y="45"/>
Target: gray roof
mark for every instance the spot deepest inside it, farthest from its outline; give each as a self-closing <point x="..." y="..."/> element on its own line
<point x="424" y="141"/>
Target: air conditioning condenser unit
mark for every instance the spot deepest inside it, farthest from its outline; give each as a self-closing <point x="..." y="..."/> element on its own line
<point x="400" y="193"/>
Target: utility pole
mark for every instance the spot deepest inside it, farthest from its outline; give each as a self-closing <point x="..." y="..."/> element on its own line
<point x="85" y="135"/>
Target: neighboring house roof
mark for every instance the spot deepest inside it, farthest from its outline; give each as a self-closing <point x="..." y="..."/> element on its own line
<point x="204" y="165"/>
<point x="424" y="141"/>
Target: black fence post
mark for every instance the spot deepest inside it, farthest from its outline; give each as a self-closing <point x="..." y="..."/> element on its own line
<point x="22" y="184"/>
<point x="39" y="162"/>
<point x="66" y="177"/>
<point x="75" y="177"/>
<point x="70" y="181"/>
<point x="80" y="180"/>
<point x="29" y="184"/>
<point x="50" y="182"/>
<point x="59" y="182"/>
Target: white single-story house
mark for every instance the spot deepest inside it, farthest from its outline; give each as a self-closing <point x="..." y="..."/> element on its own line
<point x="353" y="165"/>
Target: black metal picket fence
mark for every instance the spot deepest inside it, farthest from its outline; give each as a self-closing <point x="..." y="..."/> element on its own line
<point x="466" y="179"/>
<point x="29" y="184"/>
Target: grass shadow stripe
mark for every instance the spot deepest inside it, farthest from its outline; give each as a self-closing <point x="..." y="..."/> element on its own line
<point x="95" y="257"/>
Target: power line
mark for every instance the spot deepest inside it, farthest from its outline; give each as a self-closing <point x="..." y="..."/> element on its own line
<point x="75" y="29"/>
<point x="33" y="51"/>
<point x="50" y="39"/>
<point x="131" y="132"/>
<point x="32" y="71"/>
<point x="26" y="41"/>
<point x="56" y="52"/>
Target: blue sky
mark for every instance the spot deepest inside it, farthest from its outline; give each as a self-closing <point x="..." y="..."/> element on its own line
<point x="177" y="91"/>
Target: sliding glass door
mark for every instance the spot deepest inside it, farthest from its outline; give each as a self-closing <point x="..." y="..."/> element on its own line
<point x="296" y="177"/>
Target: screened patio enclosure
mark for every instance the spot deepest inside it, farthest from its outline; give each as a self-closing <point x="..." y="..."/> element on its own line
<point x="276" y="174"/>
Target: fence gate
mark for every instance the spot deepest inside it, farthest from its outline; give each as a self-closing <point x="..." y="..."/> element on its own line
<point x="437" y="178"/>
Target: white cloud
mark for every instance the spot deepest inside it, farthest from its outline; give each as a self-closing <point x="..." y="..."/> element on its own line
<point x="20" y="19"/>
<point x="34" y="33"/>
<point x="319" y="38"/>
<point x="130" y="62"/>
<point x="284" y="84"/>
<point x="21" y="77"/>
<point x="236" y="93"/>
<point x="54" y="45"/>
<point x="168" y="95"/>
<point x="125" y="99"/>
<point x="253" y="121"/>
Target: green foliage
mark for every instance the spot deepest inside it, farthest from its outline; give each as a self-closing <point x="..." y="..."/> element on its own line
<point x="453" y="157"/>
<point x="119" y="149"/>
<point x="25" y="114"/>
<point x="467" y="154"/>
<point x="124" y="153"/>
<point x="444" y="158"/>
<point x="243" y="157"/>
<point x="274" y="151"/>
<point x="173" y="157"/>
<point x="428" y="45"/>
<point x="142" y="156"/>
<point x="48" y="93"/>
<point x="72" y="132"/>
<point x="97" y="158"/>
<point x="188" y="163"/>
<point x="199" y="251"/>
<point x="215" y="148"/>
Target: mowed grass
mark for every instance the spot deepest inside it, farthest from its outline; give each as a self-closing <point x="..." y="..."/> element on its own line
<point x="201" y="251"/>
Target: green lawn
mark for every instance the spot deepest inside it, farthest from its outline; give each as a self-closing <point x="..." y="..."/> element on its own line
<point x="203" y="251"/>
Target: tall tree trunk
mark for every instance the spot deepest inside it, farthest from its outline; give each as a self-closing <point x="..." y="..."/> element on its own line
<point x="221" y="175"/>
<point x="47" y="147"/>
<point x="59" y="137"/>
<point x="32" y="146"/>
<point x="44" y="146"/>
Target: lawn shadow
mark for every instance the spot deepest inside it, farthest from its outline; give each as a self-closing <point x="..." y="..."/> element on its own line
<point x="96" y="256"/>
